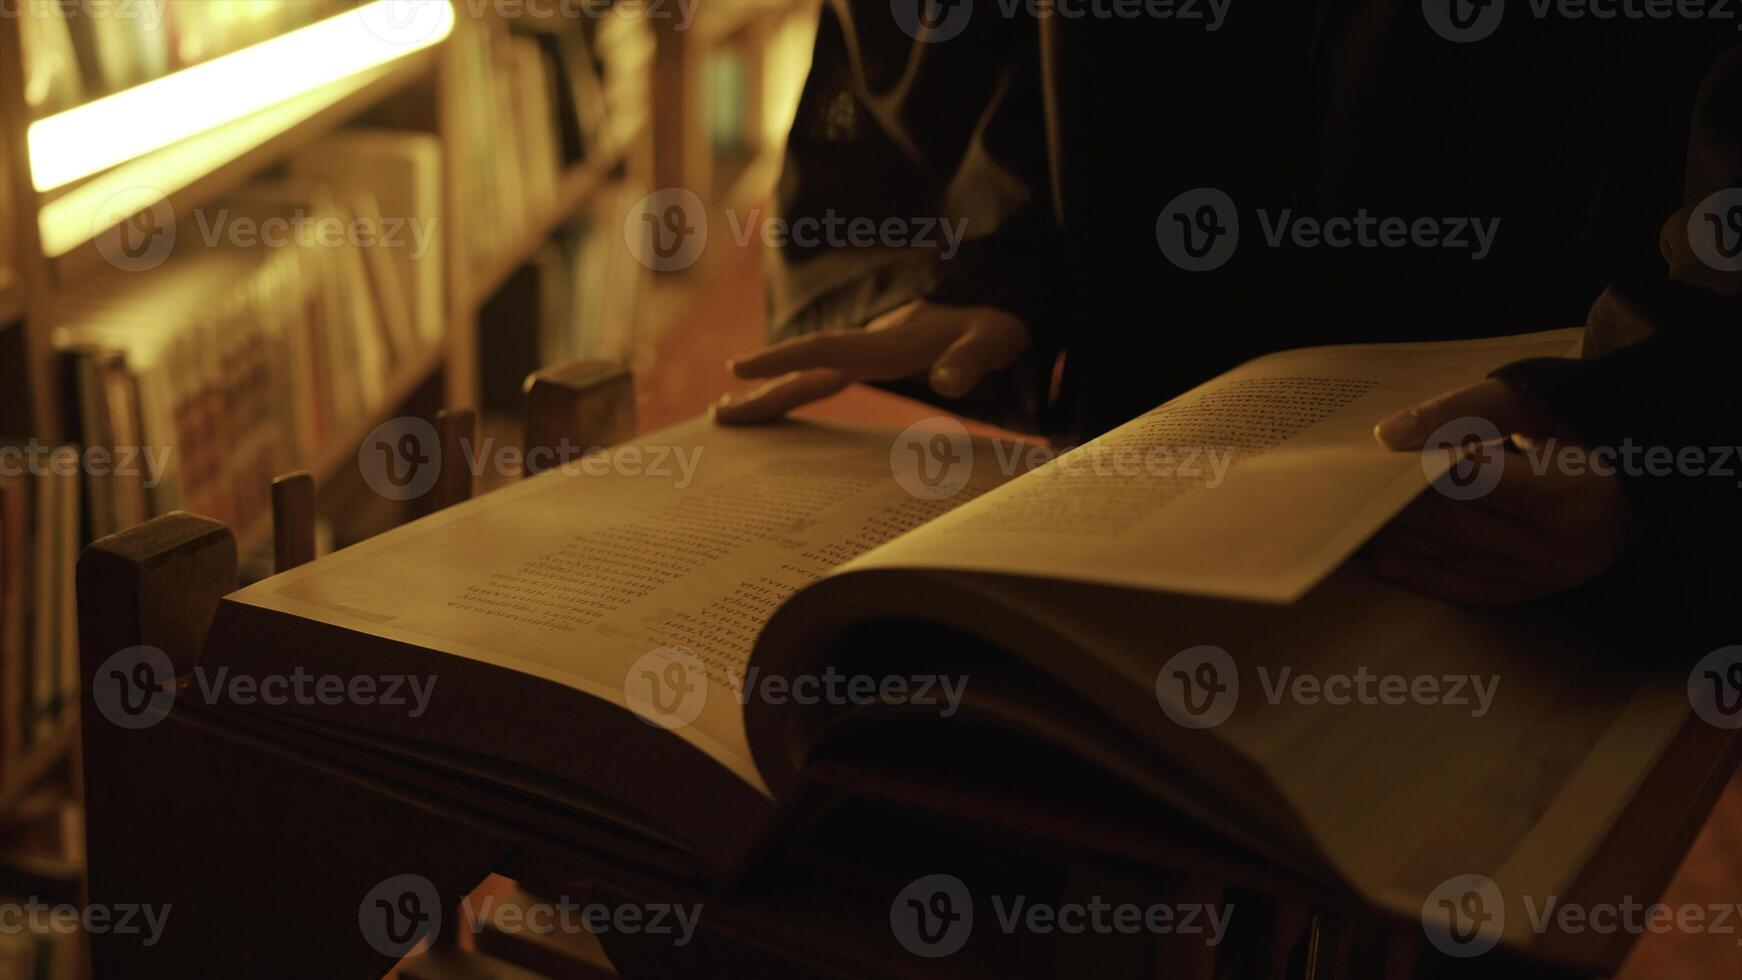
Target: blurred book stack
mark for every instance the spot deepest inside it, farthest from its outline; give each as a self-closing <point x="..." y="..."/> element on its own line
<point x="39" y="543"/>
<point x="535" y="106"/>
<point x="595" y="290"/>
<point x="77" y="51"/>
<point x="273" y="333"/>
<point x="513" y="159"/>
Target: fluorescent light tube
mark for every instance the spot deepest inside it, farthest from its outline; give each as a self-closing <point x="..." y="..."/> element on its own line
<point x="88" y="139"/>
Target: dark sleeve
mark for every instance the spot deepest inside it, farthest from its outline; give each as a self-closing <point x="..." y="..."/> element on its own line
<point x="944" y="142"/>
<point x="1662" y="371"/>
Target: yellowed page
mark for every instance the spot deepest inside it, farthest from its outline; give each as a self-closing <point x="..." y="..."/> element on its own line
<point x="1253" y="486"/>
<point x="688" y="539"/>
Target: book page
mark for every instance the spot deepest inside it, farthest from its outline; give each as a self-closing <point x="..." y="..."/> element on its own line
<point x="688" y="538"/>
<point x="1253" y="486"/>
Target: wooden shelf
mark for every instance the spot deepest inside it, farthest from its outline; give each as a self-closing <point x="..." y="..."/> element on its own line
<point x="11" y="299"/>
<point x="575" y="188"/>
<point x="222" y="160"/>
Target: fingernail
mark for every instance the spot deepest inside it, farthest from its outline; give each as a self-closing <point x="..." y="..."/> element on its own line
<point x="726" y="400"/>
<point x="1400" y="431"/>
<point x="946" y="380"/>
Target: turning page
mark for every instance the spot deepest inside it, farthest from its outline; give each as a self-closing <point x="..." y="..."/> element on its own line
<point x="1253" y="486"/>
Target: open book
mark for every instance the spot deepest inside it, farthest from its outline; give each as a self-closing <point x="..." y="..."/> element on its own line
<point x="674" y="638"/>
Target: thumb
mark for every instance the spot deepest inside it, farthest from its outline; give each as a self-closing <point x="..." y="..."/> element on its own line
<point x="1492" y="401"/>
<point x="992" y="342"/>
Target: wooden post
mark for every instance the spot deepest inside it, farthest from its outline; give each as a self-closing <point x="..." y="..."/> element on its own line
<point x="458" y="432"/>
<point x="255" y="859"/>
<point x="575" y="407"/>
<point x="293" y="520"/>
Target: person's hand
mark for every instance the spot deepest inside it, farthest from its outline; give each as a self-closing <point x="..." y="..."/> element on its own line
<point x="955" y="345"/>
<point x="1535" y="533"/>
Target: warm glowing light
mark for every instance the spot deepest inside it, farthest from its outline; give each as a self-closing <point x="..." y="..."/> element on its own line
<point x="94" y="137"/>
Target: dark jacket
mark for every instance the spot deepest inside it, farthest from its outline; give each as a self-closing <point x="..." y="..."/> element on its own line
<point x="1062" y="140"/>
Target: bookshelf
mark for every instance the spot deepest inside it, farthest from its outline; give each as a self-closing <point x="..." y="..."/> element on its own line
<point x="574" y="191"/>
<point x="50" y="256"/>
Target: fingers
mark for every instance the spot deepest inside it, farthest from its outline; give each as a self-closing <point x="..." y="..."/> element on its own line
<point x="992" y="343"/>
<point x="1494" y="401"/>
<point x="777" y="397"/>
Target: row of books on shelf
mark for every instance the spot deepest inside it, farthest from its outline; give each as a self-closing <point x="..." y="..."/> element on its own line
<point x="278" y="324"/>
<point x="39" y="542"/>
<point x="593" y="288"/>
<point x="533" y="105"/>
<point x="76" y="51"/>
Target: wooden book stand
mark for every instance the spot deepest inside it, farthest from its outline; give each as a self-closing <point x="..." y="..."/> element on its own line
<point x="270" y="845"/>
